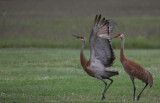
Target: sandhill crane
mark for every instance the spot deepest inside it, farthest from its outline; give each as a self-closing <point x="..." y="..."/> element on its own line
<point x="134" y="69"/>
<point x="101" y="52"/>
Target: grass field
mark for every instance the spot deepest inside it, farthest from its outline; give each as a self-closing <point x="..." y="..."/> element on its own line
<point x="39" y="59"/>
<point x="30" y="75"/>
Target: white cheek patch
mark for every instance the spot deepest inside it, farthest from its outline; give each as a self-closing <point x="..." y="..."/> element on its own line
<point x="120" y="36"/>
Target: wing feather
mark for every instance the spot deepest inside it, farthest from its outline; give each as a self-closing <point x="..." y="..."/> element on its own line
<point x="101" y="48"/>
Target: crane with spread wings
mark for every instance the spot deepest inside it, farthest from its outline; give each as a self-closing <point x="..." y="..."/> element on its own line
<point x="101" y="52"/>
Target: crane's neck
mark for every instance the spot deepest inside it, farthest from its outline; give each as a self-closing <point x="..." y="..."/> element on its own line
<point x="82" y="57"/>
<point x="83" y="45"/>
<point x="122" y="55"/>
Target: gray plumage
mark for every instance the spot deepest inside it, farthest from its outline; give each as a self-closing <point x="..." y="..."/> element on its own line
<point x="101" y="52"/>
<point x="100" y="41"/>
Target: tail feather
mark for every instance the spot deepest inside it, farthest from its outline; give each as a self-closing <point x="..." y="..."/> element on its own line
<point x="112" y="72"/>
<point x="150" y="79"/>
<point x="115" y="72"/>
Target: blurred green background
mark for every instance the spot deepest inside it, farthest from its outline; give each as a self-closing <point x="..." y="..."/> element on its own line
<point x="50" y="23"/>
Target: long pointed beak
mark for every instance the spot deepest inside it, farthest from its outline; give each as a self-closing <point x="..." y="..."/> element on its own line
<point x="76" y="36"/>
<point x="114" y="37"/>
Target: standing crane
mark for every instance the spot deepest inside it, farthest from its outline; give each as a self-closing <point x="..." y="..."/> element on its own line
<point x="134" y="69"/>
<point x="101" y="52"/>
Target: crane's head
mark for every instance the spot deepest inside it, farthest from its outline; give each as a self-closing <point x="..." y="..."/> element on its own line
<point x="120" y="35"/>
<point x="79" y="37"/>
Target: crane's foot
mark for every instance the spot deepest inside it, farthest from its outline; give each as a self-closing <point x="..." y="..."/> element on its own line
<point x="133" y="98"/>
<point x="138" y="98"/>
<point x="103" y="97"/>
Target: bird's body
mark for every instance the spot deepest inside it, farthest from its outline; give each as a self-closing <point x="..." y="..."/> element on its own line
<point x="133" y="69"/>
<point x="96" y="68"/>
<point x="101" y="52"/>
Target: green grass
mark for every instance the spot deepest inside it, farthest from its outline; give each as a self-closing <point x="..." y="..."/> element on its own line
<point x="30" y="75"/>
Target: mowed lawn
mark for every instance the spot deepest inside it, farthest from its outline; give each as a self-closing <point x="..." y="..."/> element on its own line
<point x="31" y="75"/>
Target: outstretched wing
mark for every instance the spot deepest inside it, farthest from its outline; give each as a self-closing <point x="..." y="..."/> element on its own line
<point x="100" y="41"/>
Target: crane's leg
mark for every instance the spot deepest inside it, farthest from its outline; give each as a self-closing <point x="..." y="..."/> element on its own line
<point x="142" y="91"/>
<point x="110" y="83"/>
<point x="134" y="88"/>
<point x="103" y="97"/>
<point x="105" y="89"/>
